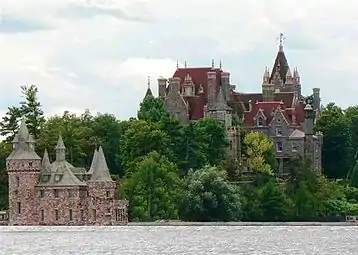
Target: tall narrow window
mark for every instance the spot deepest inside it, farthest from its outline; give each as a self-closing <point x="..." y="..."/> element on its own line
<point x="42" y="193"/>
<point x="17" y="181"/>
<point x="260" y="122"/>
<point x="56" y="214"/>
<point x="19" y="207"/>
<point x="82" y="215"/>
<point x="117" y="216"/>
<point x="94" y="214"/>
<point x="42" y="215"/>
<point x="108" y="194"/>
<point x="55" y="191"/>
<point x="70" y="214"/>
<point x="279" y="146"/>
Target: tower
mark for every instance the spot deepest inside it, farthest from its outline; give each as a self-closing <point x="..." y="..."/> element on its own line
<point x="268" y="89"/>
<point x="23" y="166"/>
<point x="211" y="89"/>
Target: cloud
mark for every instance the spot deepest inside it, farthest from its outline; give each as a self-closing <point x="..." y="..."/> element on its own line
<point x="77" y="11"/>
<point x="12" y="24"/>
<point x="97" y="54"/>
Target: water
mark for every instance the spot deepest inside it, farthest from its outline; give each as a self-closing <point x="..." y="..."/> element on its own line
<point x="179" y="240"/>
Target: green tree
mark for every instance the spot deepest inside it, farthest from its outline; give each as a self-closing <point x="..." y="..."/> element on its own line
<point x="5" y="149"/>
<point x="209" y="197"/>
<point x="30" y="107"/>
<point x="141" y="138"/>
<point x="153" y="189"/>
<point x="275" y="204"/>
<point x="9" y="124"/>
<point x="106" y="130"/>
<point x="337" y="141"/>
<point x="259" y="149"/>
<point x="78" y="138"/>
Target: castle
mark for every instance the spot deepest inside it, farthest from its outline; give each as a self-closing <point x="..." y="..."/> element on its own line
<point x="57" y="193"/>
<point x="280" y="110"/>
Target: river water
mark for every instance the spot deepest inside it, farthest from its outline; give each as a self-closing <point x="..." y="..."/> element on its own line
<point x="207" y="240"/>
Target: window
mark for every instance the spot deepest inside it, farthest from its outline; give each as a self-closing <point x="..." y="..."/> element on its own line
<point x="42" y="193"/>
<point x="70" y="214"/>
<point x="18" y="207"/>
<point x="56" y="214"/>
<point x="42" y="215"/>
<point x="278" y="120"/>
<point x="55" y="191"/>
<point x="260" y="122"/>
<point x="279" y="146"/>
<point x="108" y="194"/>
<point x="82" y="215"/>
<point x="70" y="193"/>
<point x="278" y="132"/>
<point x="94" y="214"/>
<point x="294" y="147"/>
<point x="108" y="210"/>
<point x="17" y="181"/>
<point x="30" y="164"/>
<point x="117" y="214"/>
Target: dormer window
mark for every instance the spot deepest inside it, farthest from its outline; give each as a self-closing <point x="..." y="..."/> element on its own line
<point x="278" y="132"/>
<point x="260" y="122"/>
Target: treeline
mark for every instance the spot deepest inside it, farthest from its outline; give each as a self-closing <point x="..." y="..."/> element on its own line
<point x="169" y="171"/>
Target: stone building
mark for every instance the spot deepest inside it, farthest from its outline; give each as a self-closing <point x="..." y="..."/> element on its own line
<point x="279" y="110"/>
<point x="57" y="193"/>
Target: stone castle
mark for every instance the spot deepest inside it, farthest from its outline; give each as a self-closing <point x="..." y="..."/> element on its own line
<point x="57" y="193"/>
<point x="279" y="110"/>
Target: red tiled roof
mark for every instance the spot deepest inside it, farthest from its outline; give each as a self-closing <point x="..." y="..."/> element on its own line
<point x="199" y="77"/>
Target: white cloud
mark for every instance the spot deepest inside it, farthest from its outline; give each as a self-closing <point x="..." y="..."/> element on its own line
<point x="101" y="61"/>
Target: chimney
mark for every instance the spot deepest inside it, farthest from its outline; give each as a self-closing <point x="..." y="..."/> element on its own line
<point x="225" y="84"/>
<point x="309" y="120"/>
<point x="211" y="89"/>
<point x="162" y="85"/>
<point x="174" y="85"/>
<point x="316" y="99"/>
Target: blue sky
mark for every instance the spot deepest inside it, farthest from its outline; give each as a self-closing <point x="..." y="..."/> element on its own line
<point x="97" y="54"/>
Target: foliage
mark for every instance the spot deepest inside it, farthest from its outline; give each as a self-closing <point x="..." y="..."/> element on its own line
<point x="258" y="148"/>
<point x="173" y="171"/>
<point x="154" y="189"/>
<point x="209" y="197"/>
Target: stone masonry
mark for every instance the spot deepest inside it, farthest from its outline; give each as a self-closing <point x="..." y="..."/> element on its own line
<point x="57" y="193"/>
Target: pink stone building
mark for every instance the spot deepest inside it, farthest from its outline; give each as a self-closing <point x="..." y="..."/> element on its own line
<point x="57" y="193"/>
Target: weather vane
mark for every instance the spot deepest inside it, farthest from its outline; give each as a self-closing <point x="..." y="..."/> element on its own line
<point x="281" y="39"/>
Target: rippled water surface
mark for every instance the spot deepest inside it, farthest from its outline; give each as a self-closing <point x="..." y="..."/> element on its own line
<point x="179" y="240"/>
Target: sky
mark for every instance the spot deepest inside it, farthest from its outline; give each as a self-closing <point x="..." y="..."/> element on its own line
<point x="98" y="54"/>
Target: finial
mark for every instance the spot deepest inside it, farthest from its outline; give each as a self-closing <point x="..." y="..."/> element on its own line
<point x="185" y="64"/>
<point x="148" y="82"/>
<point x="281" y="39"/>
<point x="177" y="64"/>
<point x="212" y="63"/>
<point x="220" y="65"/>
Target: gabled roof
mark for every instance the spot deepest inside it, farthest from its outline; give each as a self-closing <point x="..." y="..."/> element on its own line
<point x="297" y="134"/>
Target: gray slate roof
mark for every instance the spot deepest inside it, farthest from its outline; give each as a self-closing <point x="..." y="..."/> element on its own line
<point x="24" y="144"/>
<point x="220" y="104"/>
<point x="101" y="171"/>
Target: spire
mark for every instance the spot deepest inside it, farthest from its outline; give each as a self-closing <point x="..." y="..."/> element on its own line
<point x="185" y="65"/>
<point x="281" y="63"/>
<point x="23" y="144"/>
<point x="46" y="164"/>
<point x="60" y="150"/>
<point x="177" y="64"/>
<point x="101" y="171"/>
<point x="94" y="162"/>
<point x="149" y="92"/>
<point x="220" y="104"/>
<point x="212" y="63"/>
<point x="281" y="39"/>
<point x="220" y="65"/>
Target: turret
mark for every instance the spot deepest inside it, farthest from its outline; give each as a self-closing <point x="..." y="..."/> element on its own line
<point x="23" y="166"/>
<point x="268" y="89"/>
<point x="60" y="150"/>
